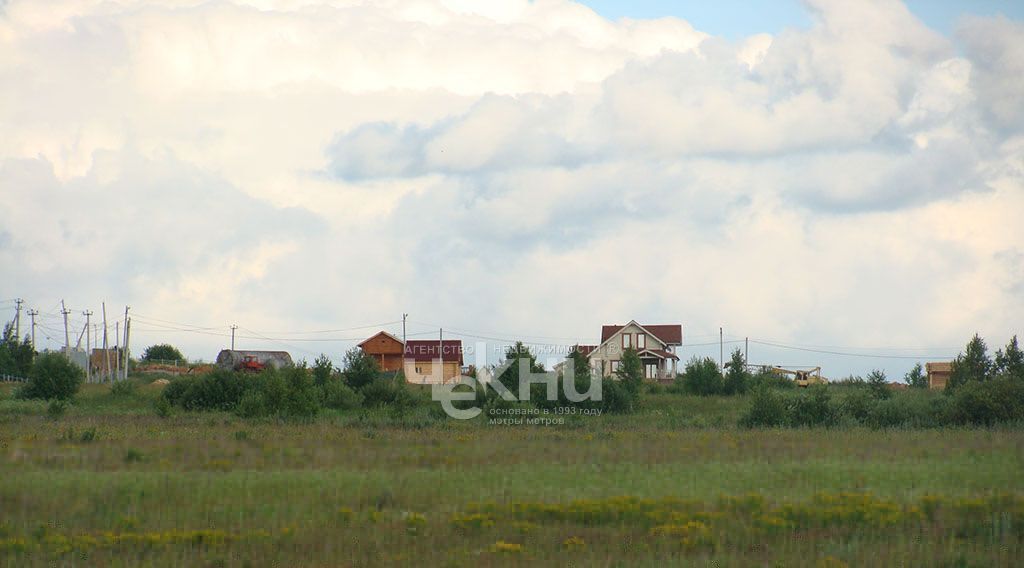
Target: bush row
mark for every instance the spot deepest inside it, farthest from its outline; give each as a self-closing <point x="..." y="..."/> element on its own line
<point x="286" y="393"/>
<point x="998" y="401"/>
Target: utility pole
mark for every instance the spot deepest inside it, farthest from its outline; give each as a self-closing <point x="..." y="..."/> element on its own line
<point x="440" y="351"/>
<point x="32" y="314"/>
<point x="721" y="350"/>
<point x="67" y="338"/>
<point x="106" y="351"/>
<point x="233" y="328"/>
<point x="127" y="335"/>
<point x="117" y="350"/>
<point x="746" y="351"/>
<point x="88" y="347"/>
<point x="125" y="353"/>
<point x="403" y="329"/>
<point x="17" y="318"/>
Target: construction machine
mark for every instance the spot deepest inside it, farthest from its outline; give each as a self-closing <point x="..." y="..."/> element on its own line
<point x="250" y="364"/>
<point x="802" y="377"/>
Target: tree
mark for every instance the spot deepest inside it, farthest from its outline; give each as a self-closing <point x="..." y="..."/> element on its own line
<point x="580" y="364"/>
<point x="737" y="378"/>
<point x="702" y="377"/>
<point x="52" y="376"/>
<point x="509" y="378"/>
<point x="630" y="371"/>
<point x="322" y="369"/>
<point x="162" y="352"/>
<point x="973" y="364"/>
<point x="361" y="369"/>
<point x="915" y="378"/>
<point x="879" y="384"/>
<point x="16" y="355"/>
<point x="1010" y="362"/>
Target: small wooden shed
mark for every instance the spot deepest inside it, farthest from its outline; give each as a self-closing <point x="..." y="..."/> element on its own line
<point x="938" y="374"/>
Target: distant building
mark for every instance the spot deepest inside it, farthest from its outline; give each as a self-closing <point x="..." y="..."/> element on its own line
<point x="422" y="356"/>
<point x="104" y="362"/>
<point x="386" y="349"/>
<point x="253" y="360"/>
<point x="938" y="374"/>
<point x="655" y="344"/>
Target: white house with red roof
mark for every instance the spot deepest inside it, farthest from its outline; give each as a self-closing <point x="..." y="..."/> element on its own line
<point x="656" y="345"/>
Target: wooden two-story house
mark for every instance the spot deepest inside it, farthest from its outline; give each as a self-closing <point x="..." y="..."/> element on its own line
<point x="655" y="344"/>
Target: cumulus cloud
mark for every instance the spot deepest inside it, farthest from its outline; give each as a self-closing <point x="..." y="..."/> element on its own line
<point x="526" y="166"/>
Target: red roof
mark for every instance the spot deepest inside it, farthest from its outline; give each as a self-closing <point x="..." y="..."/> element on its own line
<point x="429" y="350"/>
<point x="670" y="334"/>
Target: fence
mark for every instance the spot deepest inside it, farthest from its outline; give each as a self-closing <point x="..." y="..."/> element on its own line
<point x="5" y="378"/>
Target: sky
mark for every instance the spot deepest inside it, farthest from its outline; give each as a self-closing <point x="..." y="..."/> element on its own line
<point x="736" y="19"/>
<point x="840" y="182"/>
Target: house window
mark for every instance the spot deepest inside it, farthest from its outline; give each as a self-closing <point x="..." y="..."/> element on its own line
<point x="627" y="340"/>
<point x="615" y="366"/>
<point x="651" y="371"/>
<point x="641" y="341"/>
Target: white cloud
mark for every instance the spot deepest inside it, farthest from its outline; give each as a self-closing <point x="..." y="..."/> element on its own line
<point x="513" y="165"/>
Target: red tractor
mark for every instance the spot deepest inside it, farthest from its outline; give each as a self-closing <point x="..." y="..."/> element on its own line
<point x="250" y="365"/>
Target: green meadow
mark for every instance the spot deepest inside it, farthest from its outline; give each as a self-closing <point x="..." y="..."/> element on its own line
<point x="108" y="482"/>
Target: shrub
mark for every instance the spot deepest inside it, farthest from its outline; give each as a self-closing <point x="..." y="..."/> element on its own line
<point x="162" y="352"/>
<point x="702" y="377"/>
<point x="858" y="404"/>
<point x="617" y="397"/>
<point x="124" y="389"/>
<point x="909" y="410"/>
<point x="52" y="376"/>
<point x="252" y="405"/>
<point x="990" y="402"/>
<point x="217" y="390"/>
<point x="162" y="407"/>
<point x="769" y="379"/>
<point x="57" y="408"/>
<point x="813" y="407"/>
<point x="336" y="394"/>
<point x="360" y="369"/>
<point x="302" y="400"/>
<point x="285" y="393"/>
<point x="767" y="409"/>
<point x="387" y="392"/>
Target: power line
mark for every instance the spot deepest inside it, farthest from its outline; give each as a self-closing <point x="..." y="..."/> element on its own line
<point x="847" y="354"/>
<point x="477" y="333"/>
<point x="861" y="348"/>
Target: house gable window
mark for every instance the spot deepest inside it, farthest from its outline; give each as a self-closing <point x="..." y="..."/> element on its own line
<point x="627" y="340"/>
<point x="641" y="341"/>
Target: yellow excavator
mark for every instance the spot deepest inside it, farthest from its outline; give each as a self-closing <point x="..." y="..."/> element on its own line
<point x="802" y="377"/>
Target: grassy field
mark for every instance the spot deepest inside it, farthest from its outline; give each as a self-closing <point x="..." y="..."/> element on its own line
<point x="110" y="483"/>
